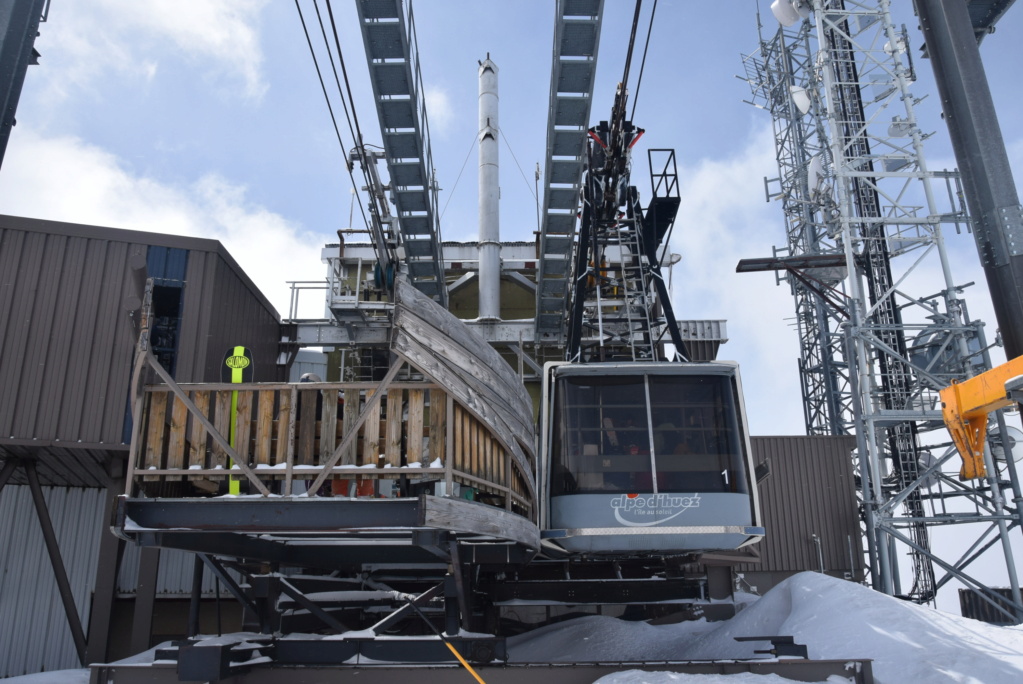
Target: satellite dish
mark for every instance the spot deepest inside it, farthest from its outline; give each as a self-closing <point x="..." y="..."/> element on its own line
<point x="785" y="12"/>
<point x="814" y="173"/>
<point x="801" y="98"/>
<point x="1014" y="447"/>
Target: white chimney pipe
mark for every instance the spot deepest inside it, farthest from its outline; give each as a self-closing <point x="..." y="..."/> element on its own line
<point x="490" y="194"/>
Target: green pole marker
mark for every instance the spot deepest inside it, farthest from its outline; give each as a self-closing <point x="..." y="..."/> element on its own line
<point x="237" y="368"/>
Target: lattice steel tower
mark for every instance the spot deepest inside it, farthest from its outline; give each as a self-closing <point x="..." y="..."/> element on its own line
<point x="863" y="253"/>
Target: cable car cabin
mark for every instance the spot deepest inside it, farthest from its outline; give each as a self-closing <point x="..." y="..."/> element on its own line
<point x="646" y="458"/>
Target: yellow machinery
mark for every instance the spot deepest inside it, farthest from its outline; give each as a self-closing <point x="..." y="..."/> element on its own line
<point x="965" y="407"/>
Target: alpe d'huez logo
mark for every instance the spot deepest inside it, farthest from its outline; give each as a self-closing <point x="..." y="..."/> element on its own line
<point x="646" y="510"/>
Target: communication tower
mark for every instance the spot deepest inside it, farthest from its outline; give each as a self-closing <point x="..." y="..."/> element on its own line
<point x="864" y="217"/>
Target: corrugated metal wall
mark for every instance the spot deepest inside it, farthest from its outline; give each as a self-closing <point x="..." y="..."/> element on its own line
<point x="811" y="490"/>
<point x="65" y="342"/>
<point x="237" y="318"/>
<point x="175" y="575"/>
<point x="34" y="634"/>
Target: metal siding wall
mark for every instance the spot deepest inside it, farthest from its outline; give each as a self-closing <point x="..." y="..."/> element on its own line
<point x="237" y="316"/>
<point x="195" y="318"/>
<point x="811" y="490"/>
<point x="19" y="285"/>
<point x="35" y="633"/>
<point x="175" y="577"/>
<point x="65" y="342"/>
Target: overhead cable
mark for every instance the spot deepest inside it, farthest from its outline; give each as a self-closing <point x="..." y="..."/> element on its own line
<point x="642" y="64"/>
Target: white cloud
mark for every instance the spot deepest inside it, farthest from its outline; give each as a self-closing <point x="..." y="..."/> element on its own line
<point x="82" y="42"/>
<point x="438" y="109"/>
<point x="724" y="218"/>
<point x="80" y="183"/>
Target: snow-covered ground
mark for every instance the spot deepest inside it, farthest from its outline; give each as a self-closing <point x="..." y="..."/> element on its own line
<point x="834" y="618"/>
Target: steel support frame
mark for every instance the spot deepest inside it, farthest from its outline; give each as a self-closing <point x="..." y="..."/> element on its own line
<point x="854" y="181"/>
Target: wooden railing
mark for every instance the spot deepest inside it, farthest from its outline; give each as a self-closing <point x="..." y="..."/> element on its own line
<point x="286" y="433"/>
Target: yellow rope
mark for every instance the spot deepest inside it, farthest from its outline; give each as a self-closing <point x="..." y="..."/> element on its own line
<point x="462" y="660"/>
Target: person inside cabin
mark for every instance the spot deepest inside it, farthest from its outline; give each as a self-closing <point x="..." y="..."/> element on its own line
<point x="625" y="437"/>
<point x="667" y="436"/>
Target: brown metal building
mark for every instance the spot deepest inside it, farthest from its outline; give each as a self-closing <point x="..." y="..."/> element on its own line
<point x="69" y="300"/>
<point x="67" y="336"/>
<point x="809" y="507"/>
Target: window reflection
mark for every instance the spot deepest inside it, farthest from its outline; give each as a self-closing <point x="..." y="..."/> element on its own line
<point x="604" y="442"/>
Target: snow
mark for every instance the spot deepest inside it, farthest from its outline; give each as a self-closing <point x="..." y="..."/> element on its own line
<point x="834" y="618"/>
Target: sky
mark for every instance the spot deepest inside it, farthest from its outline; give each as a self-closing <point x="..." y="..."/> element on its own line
<point x="833" y="618"/>
<point x="207" y="119"/>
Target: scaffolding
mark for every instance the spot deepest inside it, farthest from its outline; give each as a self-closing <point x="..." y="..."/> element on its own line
<point x="863" y="219"/>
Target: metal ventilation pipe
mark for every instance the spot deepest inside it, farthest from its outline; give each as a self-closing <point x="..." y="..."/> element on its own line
<point x="490" y="195"/>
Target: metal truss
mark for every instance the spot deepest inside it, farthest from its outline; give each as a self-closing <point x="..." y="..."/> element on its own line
<point x="573" y="74"/>
<point x="863" y="252"/>
<point x="392" y="53"/>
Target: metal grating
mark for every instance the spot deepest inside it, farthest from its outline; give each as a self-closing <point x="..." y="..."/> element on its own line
<point x="574" y="61"/>
<point x="388" y="33"/>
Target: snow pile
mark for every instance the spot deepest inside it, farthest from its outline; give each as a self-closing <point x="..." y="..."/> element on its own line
<point x="834" y="618"/>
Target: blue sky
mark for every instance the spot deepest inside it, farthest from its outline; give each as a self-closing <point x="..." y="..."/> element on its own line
<point x="206" y="118"/>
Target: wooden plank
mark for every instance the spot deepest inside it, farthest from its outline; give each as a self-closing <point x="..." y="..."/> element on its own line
<point x="197" y="438"/>
<point x="414" y="439"/>
<point x="488" y="458"/>
<point x="508" y="476"/>
<point x="371" y="435"/>
<point x="449" y="442"/>
<point x="154" y="433"/>
<point x="264" y="427"/>
<point x="469" y="456"/>
<point x="328" y="425"/>
<point x="222" y="422"/>
<point x="243" y="427"/>
<point x="457" y="420"/>
<point x="285" y="428"/>
<point x="351" y="414"/>
<point x="470" y="446"/>
<point x="438" y="424"/>
<point x="176" y="438"/>
<point x="392" y="444"/>
<point x="288" y="435"/>
<point x="306" y="426"/>
<point x="476" y="518"/>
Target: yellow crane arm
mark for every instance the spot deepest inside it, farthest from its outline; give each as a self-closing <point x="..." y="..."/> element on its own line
<point x="965" y="406"/>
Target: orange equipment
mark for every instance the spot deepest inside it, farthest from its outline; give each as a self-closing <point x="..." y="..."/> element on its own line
<point x="965" y="406"/>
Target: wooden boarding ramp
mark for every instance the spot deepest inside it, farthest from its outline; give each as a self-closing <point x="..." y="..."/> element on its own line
<point x="450" y="422"/>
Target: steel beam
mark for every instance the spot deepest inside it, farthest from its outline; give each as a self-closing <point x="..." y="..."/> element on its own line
<point x="856" y="671"/>
<point x="145" y="599"/>
<point x="111" y="550"/>
<point x="53" y="549"/>
<point x="980" y="153"/>
<point x="19" y="26"/>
